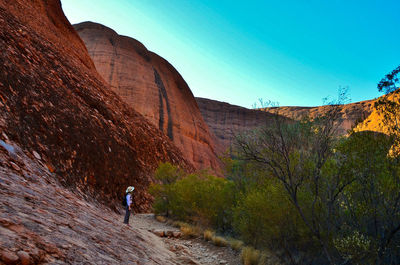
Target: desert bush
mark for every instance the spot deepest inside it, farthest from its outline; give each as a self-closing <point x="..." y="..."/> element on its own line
<point x="268" y="258"/>
<point x="167" y="173"/>
<point x="219" y="241"/>
<point x="235" y="244"/>
<point x="190" y="231"/>
<point x="163" y="191"/>
<point x="205" y="200"/>
<point x="178" y="224"/>
<point x="264" y="217"/>
<point x="369" y="207"/>
<point x="161" y="219"/>
<point x="250" y="256"/>
<point x="208" y="235"/>
<point x="353" y="247"/>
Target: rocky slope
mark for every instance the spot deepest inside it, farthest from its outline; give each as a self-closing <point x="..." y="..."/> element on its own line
<point x="225" y="120"/>
<point x="41" y="222"/>
<point x="154" y="88"/>
<point x="53" y="102"/>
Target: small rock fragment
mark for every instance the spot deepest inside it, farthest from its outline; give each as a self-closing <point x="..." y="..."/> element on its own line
<point x="9" y="258"/>
<point x="35" y="154"/>
<point x="24" y="257"/>
<point x="15" y="166"/>
<point x="159" y="233"/>
<point x="176" y="234"/>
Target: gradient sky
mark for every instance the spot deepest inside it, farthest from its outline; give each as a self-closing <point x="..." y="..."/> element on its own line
<point x="290" y="51"/>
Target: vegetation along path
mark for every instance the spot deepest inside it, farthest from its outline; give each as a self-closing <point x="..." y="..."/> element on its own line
<point x="188" y="251"/>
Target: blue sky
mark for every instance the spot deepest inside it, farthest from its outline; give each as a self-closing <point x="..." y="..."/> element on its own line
<point x="290" y="51"/>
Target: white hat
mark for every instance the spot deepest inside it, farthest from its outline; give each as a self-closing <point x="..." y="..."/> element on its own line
<point x="130" y="189"/>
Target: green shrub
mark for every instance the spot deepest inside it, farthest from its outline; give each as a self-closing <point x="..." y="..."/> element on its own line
<point x="163" y="192"/>
<point x="205" y="200"/>
<point x="264" y="217"/>
<point x="354" y="246"/>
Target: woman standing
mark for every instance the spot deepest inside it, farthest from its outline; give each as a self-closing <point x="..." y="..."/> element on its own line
<point x="129" y="199"/>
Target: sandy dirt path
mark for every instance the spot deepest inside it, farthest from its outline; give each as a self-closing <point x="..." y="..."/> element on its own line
<point x="188" y="251"/>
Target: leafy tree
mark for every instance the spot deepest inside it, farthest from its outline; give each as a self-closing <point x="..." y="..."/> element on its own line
<point x="296" y="154"/>
<point x="370" y="216"/>
<point x="389" y="104"/>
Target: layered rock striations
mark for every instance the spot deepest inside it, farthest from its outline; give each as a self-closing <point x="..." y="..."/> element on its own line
<point x="54" y="103"/>
<point x="226" y="120"/>
<point x="350" y="114"/>
<point x="154" y="88"/>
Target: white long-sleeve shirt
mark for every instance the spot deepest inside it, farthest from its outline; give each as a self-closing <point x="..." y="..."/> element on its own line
<point x="128" y="199"/>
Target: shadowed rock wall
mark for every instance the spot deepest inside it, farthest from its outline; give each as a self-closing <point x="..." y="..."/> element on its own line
<point x="53" y="102"/>
<point x="154" y="88"/>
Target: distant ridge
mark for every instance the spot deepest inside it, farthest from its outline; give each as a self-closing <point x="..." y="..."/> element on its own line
<point x="225" y="119"/>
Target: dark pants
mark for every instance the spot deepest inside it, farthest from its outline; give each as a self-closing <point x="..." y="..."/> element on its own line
<point x="127" y="214"/>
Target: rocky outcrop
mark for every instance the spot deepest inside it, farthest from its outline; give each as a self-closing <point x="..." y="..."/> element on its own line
<point x="226" y="120"/>
<point x="41" y="222"/>
<point x="154" y="88"/>
<point x="53" y="102"/>
<point x="46" y="18"/>
<point x="350" y="114"/>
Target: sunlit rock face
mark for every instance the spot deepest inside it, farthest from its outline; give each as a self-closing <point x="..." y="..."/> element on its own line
<point x="350" y="114"/>
<point x="226" y="120"/>
<point x="154" y="88"/>
<point x="54" y="104"/>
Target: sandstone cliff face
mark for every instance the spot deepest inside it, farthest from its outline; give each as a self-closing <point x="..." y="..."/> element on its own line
<point x="350" y="114"/>
<point x="53" y="102"/>
<point x="46" y="16"/>
<point x="154" y="88"/>
<point x="376" y="120"/>
<point x="226" y="120"/>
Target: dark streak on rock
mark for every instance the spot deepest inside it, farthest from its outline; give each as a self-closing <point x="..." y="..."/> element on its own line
<point x="163" y="95"/>
<point x="112" y="62"/>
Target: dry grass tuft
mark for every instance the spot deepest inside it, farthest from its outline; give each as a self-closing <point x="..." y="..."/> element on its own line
<point x="161" y="218"/>
<point x="219" y="241"/>
<point x="208" y="235"/>
<point x="250" y="256"/>
<point x="178" y="224"/>
<point x="236" y="244"/>
<point x="189" y="231"/>
<point x="267" y="257"/>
